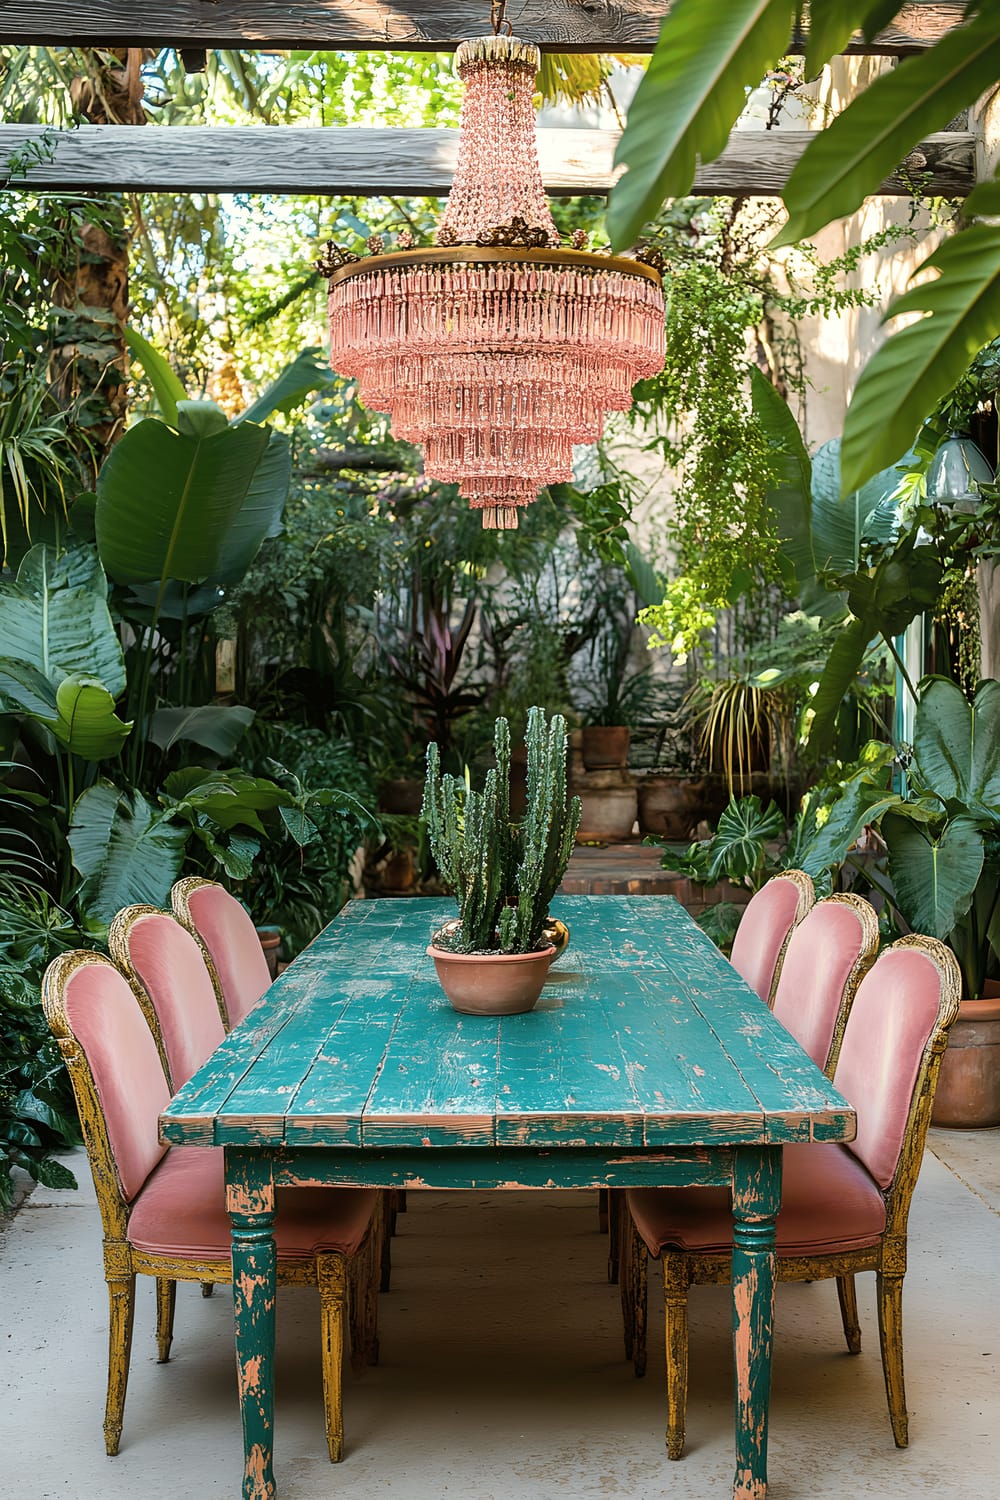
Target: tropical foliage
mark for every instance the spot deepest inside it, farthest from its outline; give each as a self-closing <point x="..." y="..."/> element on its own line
<point x="709" y="53"/>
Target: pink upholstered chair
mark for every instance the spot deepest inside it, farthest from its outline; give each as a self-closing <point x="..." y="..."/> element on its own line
<point x="828" y="955"/>
<point x="166" y="969"/>
<point x="766" y="926"/>
<point x="226" y="933"/>
<point x="843" y="1208"/>
<point x="163" y="1208"/>
<point x="235" y="961"/>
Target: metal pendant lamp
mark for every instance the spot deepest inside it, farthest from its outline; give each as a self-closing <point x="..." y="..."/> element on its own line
<point x="956" y="472"/>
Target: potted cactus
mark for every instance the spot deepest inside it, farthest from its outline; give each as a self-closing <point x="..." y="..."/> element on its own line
<point x="494" y="958"/>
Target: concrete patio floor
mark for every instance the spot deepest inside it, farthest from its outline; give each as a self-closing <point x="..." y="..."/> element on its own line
<point x="501" y="1374"/>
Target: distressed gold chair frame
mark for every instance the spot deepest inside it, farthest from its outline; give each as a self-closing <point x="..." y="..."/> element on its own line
<point x="346" y="1283"/>
<point x="682" y="1269"/>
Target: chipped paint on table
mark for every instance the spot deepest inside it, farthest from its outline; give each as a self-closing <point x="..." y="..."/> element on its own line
<point x="647" y="1061"/>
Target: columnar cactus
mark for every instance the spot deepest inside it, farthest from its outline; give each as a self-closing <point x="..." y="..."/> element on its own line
<point x="504" y="875"/>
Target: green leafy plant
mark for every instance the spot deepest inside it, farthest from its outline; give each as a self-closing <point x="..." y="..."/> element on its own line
<point x="709" y="53"/>
<point x="504" y="874"/>
<point x="943" y="838"/>
<point x="37" y="1114"/>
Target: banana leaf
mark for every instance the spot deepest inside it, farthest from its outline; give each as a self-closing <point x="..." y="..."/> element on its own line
<point x="168" y="502"/>
<point x="919" y="364"/>
<point x="214" y="726"/>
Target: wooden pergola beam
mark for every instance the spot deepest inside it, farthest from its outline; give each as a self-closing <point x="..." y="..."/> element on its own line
<point x="353" y="161"/>
<point x="403" y="25"/>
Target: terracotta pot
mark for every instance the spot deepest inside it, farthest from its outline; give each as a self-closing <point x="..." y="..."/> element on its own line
<point x="399" y="872"/>
<point x="270" y="941"/>
<point x="605" y="745"/>
<point x="669" y="806"/>
<point x="492" y="984"/>
<point x="968" y="1089"/>
<point x="607" y="815"/>
<point x="403" y="795"/>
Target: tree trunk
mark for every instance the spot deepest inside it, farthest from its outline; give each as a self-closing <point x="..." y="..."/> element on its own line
<point x="89" y="362"/>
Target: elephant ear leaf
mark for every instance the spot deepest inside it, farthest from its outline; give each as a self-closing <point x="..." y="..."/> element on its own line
<point x="956" y="746"/>
<point x="934" y="877"/>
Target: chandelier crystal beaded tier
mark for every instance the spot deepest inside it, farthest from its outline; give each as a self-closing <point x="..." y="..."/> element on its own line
<point x="498" y="349"/>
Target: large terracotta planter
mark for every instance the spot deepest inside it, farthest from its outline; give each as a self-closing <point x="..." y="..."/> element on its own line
<point x="492" y="984"/>
<point x="670" y="806"/>
<point x="270" y="941"/>
<point x="605" y="746"/>
<point x="607" y="814"/>
<point x="402" y="795"/>
<point x="968" y="1090"/>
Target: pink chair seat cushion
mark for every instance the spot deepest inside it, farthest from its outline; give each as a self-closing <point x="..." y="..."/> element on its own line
<point x="763" y="929"/>
<point x="828" y="1203"/>
<point x="182" y="1211"/>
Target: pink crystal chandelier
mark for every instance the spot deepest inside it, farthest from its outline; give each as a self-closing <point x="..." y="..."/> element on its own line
<point x="497" y="349"/>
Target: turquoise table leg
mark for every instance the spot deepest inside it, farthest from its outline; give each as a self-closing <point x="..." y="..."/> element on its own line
<point x="250" y="1202"/>
<point x="756" y="1200"/>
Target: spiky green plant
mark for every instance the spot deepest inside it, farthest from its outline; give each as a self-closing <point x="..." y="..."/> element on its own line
<point x="503" y="874"/>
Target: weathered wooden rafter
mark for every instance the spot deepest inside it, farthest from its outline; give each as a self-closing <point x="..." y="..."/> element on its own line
<point x="406" y="25"/>
<point x="292" y="159"/>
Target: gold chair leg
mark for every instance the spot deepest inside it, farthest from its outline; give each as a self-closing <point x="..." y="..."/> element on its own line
<point x="331" y="1278"/>
<point x="676" y="1282"/>
<point x="207" y="1288"/>
<point x="889" y="1291"/>
<point x="121" y="1298"/>
<point x="847" y="1293"/>
<point x="166" y="1296"/>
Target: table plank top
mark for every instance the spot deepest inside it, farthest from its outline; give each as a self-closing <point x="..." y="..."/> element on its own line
<point x="644" y="1036"/>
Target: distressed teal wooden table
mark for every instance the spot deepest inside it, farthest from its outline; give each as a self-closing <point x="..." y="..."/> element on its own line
<point x="647" y="1061"/>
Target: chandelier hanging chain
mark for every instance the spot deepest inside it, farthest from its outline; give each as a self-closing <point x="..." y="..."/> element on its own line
<point x="497" y="8"/>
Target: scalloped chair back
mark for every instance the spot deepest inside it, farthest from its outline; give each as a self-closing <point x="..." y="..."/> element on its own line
<point x="844" y="1208"/>
<point x="766" y="926"/>
<point x="167" y="971"/>
<point x="828" y="955"/>
<point x="227" y="933"/>
<point x="893" y="1015"/>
